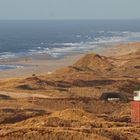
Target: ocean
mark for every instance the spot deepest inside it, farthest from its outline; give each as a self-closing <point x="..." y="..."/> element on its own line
<point x="59" y="38"/>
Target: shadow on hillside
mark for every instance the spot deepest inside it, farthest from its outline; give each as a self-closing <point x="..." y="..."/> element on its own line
<point x="12" y="115"/>
<point x="92" y="83"/>
<point x="4" y="96"/>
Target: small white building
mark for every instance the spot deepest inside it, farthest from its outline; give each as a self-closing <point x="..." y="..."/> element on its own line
<point x="136" y="95"/>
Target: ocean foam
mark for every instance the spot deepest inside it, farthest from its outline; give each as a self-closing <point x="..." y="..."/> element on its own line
<point x="64" y="48"/>
<point x="116" y="37"/>
<point x="4" y="67"/>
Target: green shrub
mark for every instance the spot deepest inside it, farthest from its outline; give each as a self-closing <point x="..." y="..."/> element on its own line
<point x="138" y="88"/>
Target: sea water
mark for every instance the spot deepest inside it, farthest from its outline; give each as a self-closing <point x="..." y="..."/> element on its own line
<point x="62" y="37"/>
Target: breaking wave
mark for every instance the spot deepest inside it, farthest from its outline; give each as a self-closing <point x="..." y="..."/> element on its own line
<point x="62" y="49"/>
<point x="4" y="67"/>
<point x="84" y="43"/>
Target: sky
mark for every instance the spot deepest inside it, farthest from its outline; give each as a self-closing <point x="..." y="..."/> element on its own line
<point x="69" y="9"/>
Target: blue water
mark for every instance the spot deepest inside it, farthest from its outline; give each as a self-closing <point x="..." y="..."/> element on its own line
<point x="59" y="37"/>
<point x="6" y="67"/>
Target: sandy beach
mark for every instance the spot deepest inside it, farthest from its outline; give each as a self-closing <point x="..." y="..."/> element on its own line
<point x="45" y="64"/>
<point x="37" y="64"/>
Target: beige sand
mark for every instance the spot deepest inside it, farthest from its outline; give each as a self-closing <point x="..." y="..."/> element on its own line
<point x="35" y="65"/>
<point x="43" y="64"/>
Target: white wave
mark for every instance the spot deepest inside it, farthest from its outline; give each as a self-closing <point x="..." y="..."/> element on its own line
<point x="69" y="47"/>
<point x="88" y="37"/>
<point x="56" y="52"/>
<point x="101" y="31"/>
<point x="42" y="43"/>
<point x="67" y="44"/>
<point x="109" y="40"/>
<point x="78" y="36"/>
<point x="6" y="55"/>
<point x="4" y="67"/>
<point x="62" y="49"/>
<point x="38" y="47"/>
<point x="118" y="36"/>
<point x="32" y="50"/>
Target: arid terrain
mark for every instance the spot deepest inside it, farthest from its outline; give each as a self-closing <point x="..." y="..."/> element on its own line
<point x="68" y="105"/>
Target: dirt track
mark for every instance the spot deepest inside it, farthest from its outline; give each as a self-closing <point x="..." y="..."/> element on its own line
<point x="22" y="95"/>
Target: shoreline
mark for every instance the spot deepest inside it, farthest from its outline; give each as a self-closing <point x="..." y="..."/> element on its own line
<point x="38" y="65"/>
<point x="44" y="64"/>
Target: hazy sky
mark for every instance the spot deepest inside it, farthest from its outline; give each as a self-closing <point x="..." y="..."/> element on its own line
<point x="69" y="9"/>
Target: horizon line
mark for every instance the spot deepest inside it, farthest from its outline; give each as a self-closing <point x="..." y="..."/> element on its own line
<point x="71" y="19"/>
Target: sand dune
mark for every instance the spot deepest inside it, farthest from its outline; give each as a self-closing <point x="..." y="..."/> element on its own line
<point x="66" y="104"/>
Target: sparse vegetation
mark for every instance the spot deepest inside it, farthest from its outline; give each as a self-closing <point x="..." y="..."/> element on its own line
<point x="67" y="104"/>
